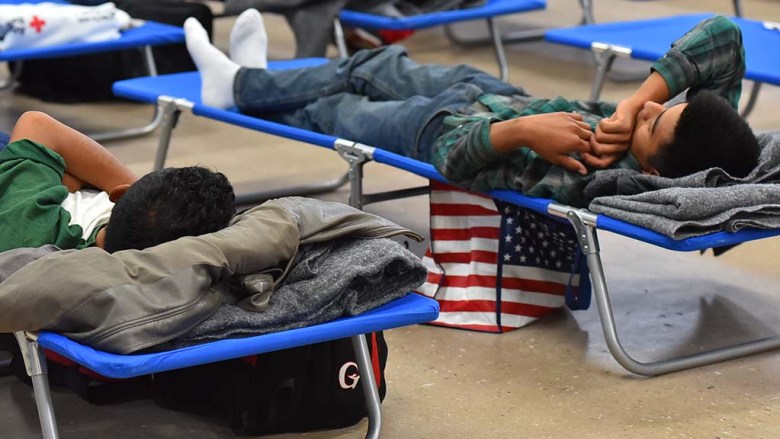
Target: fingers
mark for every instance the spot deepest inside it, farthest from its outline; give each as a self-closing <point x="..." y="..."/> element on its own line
<point x="575" y="116"/>
<point x="614" y="125"/>
<point x="571" y="164"/>
<point x="600" y="161"/>
<point x="601" y="149"/>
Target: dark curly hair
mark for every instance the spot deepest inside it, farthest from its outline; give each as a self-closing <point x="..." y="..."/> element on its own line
<point x="168" y="204"/>
<point x="710" y="133"/>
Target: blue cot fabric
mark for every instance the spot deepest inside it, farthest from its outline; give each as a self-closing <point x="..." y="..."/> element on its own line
<point x="407" y="310"/>
<point x="149" y="34"/>
<point x="650" y="39"/>
<point x="491" y="8"/>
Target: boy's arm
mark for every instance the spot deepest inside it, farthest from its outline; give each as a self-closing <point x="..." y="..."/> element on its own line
<point x="710" y="56"/>
<point x="86" y="161"/>
<point x="461" y="153"/>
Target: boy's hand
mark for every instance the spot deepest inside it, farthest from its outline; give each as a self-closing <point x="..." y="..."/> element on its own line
<point x="553" y="136"/>
<point x="613" y="135"/>
<point x="556" y="135"/>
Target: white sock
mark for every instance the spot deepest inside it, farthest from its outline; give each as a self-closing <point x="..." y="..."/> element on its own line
<point x="248" y="40"/>
<point x="217" y="71"/>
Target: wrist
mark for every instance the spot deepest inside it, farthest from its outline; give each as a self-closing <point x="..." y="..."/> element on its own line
<point x="654" y="89"/>
<point x="508" y="135"/>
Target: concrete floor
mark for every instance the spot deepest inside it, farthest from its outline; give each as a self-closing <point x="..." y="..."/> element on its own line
<point x="552" y="379"/>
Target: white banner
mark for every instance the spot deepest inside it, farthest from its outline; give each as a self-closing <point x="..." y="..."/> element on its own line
<point x="26" y="25"/>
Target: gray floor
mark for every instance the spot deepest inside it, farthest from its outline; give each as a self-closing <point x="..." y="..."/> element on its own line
<point x="552" y="379"/>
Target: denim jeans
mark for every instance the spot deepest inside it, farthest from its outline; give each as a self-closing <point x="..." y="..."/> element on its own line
<point x="3" y="140"/>
<point x="377" y="97"/>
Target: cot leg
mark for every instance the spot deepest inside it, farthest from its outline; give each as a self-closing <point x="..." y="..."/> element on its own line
<point x="35" y="363"/>
<point x="587" y="12"/>
<point x="14" y="76"/>
<point x="367" y="380"/>
<point x="356" y="156"/>
<point x="498" y="45"/>
<point x="338" y="37"/>
<point x="604" y="63"/>
<point x="738" y="8"/>
<point x="752" y="100"/>
<point x="151" y="69"/>
<point x="584" y="224"/>
<point x="169" y="116"/>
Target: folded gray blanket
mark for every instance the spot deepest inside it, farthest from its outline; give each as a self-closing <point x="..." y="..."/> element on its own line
<point x="337" y="278"/>
<point x="697" y="204"/>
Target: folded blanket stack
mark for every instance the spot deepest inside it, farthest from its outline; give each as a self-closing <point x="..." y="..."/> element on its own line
<point x="333" y="279"/>
<point x="697" y="204"/>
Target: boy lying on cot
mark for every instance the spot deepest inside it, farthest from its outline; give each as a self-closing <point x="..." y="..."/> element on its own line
<point x="42" y="201"/>
<point x="483" y="133"/>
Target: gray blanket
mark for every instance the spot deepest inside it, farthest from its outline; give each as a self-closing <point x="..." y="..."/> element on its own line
<point x="330" y="280"/>
<point x="698" y="204"/>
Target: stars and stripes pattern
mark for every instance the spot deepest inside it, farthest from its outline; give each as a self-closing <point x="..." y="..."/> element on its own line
<point x="494" y="266"/>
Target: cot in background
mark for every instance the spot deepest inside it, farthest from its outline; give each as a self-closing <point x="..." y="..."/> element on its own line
<point x="649" y="40"/>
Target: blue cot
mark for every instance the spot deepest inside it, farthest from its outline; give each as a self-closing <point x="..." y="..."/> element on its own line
<point x="488" y="10"/>
<point x="143" y="37"/>
<point x="649" y="40"/>
<point x="407" y="310"/>
<point x="181" y="92"/>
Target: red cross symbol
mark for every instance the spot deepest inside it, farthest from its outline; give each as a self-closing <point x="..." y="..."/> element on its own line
<point x="37" y="24"/>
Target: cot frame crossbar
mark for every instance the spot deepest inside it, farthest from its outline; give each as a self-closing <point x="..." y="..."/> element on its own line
<point x="170" y="110"/>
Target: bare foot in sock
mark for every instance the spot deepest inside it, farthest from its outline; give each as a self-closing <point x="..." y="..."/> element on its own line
<point x="248" y="40"/>
<point x="217" y="71"/>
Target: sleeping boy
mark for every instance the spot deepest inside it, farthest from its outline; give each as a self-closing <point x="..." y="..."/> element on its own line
<point x="483" y="133"/>
<point x="48" y="169"/>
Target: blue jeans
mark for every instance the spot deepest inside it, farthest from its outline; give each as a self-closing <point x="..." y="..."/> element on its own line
<point x="377" y="97"/>
<point x="4" y="138"/>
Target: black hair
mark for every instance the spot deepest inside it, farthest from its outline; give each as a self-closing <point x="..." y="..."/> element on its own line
<point x="168" y="204"/>
<point x="710" y="133"/>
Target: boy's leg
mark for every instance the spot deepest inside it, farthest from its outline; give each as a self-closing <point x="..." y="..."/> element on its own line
<point x="85" y="160"/>
<point x="383" y="74"/>
<point x="249" y="41"/>
<point x="217" y="71"/>
<point x="397" y="126"/>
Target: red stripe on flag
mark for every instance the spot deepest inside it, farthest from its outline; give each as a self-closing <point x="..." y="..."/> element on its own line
<point x="480" y="328"/>
<point x="520" y="309"/>
<point x="465" y="258"/>
<point x="434" y="278"/>
<point x="461" y="210"/>
<point x="474" y="280"/>
<point x="465" y="234"/>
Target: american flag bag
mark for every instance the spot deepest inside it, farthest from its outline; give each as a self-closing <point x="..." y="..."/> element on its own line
<point x="496" y="267"/>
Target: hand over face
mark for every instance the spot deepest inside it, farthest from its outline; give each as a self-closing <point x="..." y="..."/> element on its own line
<point x="613" y="136"/>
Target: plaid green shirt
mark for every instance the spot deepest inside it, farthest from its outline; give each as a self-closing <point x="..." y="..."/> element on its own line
<point x="710" y="56"/>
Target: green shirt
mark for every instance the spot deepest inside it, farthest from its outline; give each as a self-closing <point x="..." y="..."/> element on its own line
<point x="31" y="192"/>
<point x="710" y="56"/>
